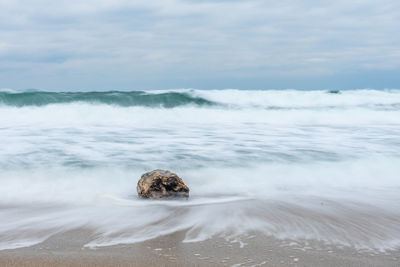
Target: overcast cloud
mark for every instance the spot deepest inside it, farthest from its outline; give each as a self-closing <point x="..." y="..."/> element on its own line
<point x="138" y="44"/>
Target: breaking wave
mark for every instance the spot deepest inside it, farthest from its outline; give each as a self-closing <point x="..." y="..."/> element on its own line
<point x="124" y="99"/>
<point x="230" y="98"/>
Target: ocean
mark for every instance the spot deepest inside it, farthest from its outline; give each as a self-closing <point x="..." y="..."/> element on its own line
<point x="291" y="164"/>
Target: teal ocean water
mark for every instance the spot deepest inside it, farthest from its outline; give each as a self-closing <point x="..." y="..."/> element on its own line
<point x="123" y="99"/>
<point x="296" y="165"/>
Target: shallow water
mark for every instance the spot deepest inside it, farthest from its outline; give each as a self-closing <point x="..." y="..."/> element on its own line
<point x="291" y="164"/>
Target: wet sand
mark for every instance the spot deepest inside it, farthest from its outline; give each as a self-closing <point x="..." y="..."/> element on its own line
<point x="67" y="249"/>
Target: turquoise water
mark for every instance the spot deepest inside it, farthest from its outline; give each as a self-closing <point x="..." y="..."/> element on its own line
<point x="123" y="99"/>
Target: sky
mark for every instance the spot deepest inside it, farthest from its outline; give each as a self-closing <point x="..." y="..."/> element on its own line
<point x="163" y="44"/>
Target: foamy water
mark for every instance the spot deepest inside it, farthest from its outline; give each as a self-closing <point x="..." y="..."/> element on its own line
<point x="290" y="164"/>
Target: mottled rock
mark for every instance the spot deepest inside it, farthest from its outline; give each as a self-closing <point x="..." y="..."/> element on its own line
<point x="161" y="184"/>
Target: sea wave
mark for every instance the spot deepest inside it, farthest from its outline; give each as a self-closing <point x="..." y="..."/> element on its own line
<point x="124" y="99"/>
<point x="230" y="98"/>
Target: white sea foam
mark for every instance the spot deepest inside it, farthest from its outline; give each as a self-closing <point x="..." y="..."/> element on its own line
<point x="301" y="99"/>
<point x="338" y="203"/>
<point x="329" y="174"/>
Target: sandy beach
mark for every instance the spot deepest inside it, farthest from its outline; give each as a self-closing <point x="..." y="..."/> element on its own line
<point x="66" y="249"/>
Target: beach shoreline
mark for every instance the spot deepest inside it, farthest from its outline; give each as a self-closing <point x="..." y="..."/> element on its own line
<point x="67" y="249"/>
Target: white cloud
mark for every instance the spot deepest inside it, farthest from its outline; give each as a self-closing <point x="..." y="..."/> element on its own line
<point x="177" y="38"/>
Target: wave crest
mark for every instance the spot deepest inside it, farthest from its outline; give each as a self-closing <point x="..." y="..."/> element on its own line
<point x="124" y="99"/>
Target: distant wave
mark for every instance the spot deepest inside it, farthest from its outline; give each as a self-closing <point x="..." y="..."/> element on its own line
<point x="124" y="99"/>
<point x="229" y="98"/>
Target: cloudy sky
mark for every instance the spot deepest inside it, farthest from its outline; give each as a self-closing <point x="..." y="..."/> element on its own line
<point x="161" y="44"/>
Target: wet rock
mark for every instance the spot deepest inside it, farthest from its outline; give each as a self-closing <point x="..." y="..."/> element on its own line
<point x="161" y="184"/>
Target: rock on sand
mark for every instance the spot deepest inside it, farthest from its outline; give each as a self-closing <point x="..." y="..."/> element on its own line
<point x="161" y="184"/>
